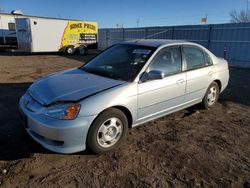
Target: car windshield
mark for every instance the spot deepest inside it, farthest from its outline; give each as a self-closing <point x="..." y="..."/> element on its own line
<point x="120" y="62"/>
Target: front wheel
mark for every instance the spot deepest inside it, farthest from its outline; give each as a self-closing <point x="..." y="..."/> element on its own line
<point x="107" y="131"/>
<point x="211" y="95"/>
<point x="70" y="50"/>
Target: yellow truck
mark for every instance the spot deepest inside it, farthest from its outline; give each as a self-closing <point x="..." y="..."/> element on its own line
<point x="52" y="35"/>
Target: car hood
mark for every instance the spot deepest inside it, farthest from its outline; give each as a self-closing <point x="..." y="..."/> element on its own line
<point x="71" y="85"/>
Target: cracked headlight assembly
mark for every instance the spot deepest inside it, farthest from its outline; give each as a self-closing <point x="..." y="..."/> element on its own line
<point x="63" y="111"/>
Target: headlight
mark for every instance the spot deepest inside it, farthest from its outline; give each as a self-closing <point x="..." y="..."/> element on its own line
<point x="63" y="111"/>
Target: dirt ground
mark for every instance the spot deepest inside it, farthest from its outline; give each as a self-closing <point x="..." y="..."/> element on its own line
<point x="190" y="148"/>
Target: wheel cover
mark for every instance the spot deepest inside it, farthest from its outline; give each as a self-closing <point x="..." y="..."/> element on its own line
<point x="70" y="50"/>
<point x="109" y="132"/>
<point x="212" y="95"/>
<point x="82" y="50"/>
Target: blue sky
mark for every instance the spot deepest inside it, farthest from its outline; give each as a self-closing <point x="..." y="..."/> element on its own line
<point x="109" y="13"/>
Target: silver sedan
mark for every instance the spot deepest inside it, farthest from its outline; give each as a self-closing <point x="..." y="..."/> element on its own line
<point x="128" y="84"/>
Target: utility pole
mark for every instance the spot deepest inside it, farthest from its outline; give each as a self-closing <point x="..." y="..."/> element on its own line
<point x="247" y="9"/>
<point x="137" y="22"/>
<point x="247" y="5"/>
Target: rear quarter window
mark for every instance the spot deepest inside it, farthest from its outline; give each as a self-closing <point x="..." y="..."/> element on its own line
<point x="208" y="59"/>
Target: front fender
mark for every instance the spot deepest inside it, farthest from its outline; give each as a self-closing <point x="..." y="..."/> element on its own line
<point x="124" y="95"/>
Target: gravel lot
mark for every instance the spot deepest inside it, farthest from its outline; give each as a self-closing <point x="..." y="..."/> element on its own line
<point x="190" y="148"/>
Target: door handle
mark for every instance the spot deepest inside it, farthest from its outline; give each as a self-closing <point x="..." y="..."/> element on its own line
<point x="210" y="73"/>
<point x="180" y="81"/>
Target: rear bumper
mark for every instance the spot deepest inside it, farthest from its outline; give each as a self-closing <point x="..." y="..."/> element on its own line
<point x="62" y="136"/>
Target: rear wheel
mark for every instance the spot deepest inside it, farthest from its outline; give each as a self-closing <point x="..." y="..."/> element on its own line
<point x="211" y="95"/>
<point x="82" y="50"/>
<point x="107" y="131"/>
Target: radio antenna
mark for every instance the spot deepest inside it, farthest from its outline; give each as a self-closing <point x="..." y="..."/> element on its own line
<point x="164" y="31"/>
<point x="146" y="37"/>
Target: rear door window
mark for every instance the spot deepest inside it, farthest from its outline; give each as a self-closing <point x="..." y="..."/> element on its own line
<point x="194" y="58"/>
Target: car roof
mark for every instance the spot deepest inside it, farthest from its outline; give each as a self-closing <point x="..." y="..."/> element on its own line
<point x="154" y="42"/>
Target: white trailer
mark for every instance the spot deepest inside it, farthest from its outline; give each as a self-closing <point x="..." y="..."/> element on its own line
<point x="53" y="35"/>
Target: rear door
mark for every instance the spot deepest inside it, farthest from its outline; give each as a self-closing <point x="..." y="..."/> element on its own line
<point x="23" y="34"/>
<point x="200" y="72"/>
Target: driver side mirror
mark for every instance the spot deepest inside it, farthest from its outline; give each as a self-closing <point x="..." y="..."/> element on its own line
<point x="152" y="75"/>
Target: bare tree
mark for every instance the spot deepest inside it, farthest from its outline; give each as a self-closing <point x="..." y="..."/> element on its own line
<point x="240" y="17"/>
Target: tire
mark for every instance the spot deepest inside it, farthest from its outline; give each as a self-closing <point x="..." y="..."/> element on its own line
<point x="107" y="131"/>
<point x="211" y="96"/>
<point x="70" y="50"/>
<point x="82" y="50"/>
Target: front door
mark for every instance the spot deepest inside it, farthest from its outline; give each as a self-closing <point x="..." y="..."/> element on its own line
<point x="157" y="97"/>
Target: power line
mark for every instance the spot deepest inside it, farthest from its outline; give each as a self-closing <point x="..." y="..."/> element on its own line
<point x="194" y="15"/>
<point x="190" y="19"/>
